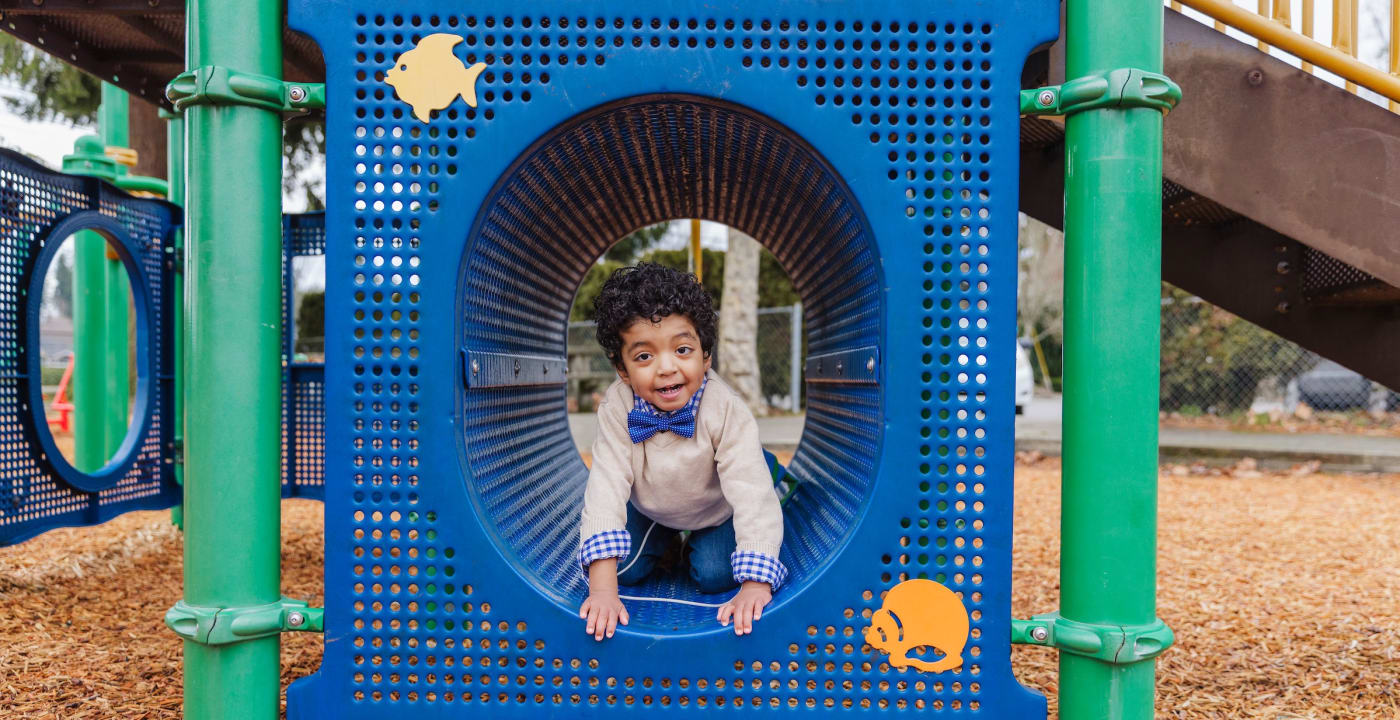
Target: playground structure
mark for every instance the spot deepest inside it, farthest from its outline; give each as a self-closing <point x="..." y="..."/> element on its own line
<point x="897" y="225"/>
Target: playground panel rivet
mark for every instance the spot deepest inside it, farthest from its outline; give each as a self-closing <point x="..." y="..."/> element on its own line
<point x="1047" y="98"/>
<point x="295" y="619"/>
<point x="870" y="365"/>
<point x="297" y="93"/>
<point x="1040" y="634"/>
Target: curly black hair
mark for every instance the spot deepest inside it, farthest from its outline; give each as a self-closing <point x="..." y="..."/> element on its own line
<point x="648" y="291"/>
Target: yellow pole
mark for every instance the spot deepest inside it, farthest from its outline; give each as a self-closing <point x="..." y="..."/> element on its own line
<point x="1344" y="30"/>
<point x="1266" y="11"/>
<point x="1394" y="46"/>
<point x="695" y="250"/>
<point x="1308" y="16"/>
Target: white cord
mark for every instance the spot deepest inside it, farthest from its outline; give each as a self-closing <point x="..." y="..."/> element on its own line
<point x="669" y="600"/>
<point x="638" y="554"/>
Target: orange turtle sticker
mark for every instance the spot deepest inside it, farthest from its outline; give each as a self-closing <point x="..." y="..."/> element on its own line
<point x="920" y="613"/>
<point x="429" y="77"/>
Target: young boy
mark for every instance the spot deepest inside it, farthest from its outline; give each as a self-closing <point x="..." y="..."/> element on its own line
<point x="665" y="461"/>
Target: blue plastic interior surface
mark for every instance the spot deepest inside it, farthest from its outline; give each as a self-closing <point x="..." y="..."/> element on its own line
<point x="39" y="208"/>
<point x="872" y="146"/>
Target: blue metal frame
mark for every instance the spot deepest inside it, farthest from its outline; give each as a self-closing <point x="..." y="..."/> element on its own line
<point x="125" y="456"/>
<point x="905" y="117"/>
<point x="39" y="489"/>
<point x="303" y="409"/>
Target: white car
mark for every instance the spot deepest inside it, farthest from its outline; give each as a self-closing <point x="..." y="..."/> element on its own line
<point x="1025" y="381"/>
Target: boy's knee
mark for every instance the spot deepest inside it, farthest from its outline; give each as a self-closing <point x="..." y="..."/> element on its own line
<point x="713" y="578"/>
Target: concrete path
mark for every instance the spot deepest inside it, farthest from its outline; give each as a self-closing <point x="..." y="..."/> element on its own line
<point x="1039" y="429"/>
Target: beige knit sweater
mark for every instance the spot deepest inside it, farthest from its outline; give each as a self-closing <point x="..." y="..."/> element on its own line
<point x="685" y="483"/>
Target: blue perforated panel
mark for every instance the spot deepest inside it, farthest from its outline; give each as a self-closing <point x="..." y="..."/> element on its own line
<point x="303" y="383"/>
<point x="37" y="493"/>
<point x="871" y="148"/>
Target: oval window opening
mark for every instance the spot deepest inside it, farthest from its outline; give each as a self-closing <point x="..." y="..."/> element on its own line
<point x="90" y="359"/>
<point x="559" y="208"/>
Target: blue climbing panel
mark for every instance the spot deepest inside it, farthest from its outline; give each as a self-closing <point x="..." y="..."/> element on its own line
<point x="39" y="489"/>
<point x="303" y="379"/>
<point x="871" y="146"/>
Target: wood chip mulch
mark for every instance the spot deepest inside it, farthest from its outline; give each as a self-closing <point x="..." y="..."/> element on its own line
<point x="1283" y="590"/>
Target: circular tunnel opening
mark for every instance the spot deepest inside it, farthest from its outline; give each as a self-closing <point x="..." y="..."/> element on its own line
<point x="564" y="201"/>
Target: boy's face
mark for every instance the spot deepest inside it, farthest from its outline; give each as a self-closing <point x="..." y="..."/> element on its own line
<point x="663" y="361"/>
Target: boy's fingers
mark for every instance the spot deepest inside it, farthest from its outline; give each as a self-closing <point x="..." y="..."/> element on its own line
<point x="601" y="626"/>
<point x="612" y="623"/>
<point x="592" y="620"/>
<point x="624" y="615"/>
<point x="725" y="611"/>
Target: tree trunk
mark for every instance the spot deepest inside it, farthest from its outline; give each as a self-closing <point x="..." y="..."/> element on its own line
<point x="737" y="349"/>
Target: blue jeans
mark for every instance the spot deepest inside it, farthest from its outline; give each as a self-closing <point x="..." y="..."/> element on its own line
<point x="707" y="551"/>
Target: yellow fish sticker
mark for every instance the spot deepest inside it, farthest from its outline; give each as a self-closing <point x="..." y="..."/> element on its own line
<point x="920" y="614"/>
<point x="429" y="77"/>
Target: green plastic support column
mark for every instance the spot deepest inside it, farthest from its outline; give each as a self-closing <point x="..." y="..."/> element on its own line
<point x="89" y="351"/>
<point x="233" y="381"/>
<point x="175" y="172"/>
<point x="1113" y="182"/>
<point x="113" y="124"/>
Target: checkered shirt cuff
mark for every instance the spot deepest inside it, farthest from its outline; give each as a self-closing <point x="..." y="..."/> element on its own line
<point x="750" y="565"/>
<point x="606" y="544"/>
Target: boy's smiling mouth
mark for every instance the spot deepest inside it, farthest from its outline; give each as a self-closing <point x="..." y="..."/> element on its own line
<point x="670" y="392"/>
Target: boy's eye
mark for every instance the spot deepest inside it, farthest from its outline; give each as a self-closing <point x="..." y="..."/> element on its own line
<point x="642" y="357"/>
<point x="683" y="350"/>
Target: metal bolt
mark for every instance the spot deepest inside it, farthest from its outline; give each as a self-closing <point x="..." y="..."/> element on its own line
<point x="476" y="367"/>
<point x="1039" y="634"/>
<point x="840" y="368"/>
<point x="1283" y="307"/>
<point x="297" y="93"/>
<point x="870" y="365"/>
<point x="1046" y="98"/>
<point x="1284" y="267"/>
<point x="295" y="619"/>
<point x="1255" y="77"/>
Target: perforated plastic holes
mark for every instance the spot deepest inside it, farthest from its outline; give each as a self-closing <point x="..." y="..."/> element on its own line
<point x="871" y="147"/>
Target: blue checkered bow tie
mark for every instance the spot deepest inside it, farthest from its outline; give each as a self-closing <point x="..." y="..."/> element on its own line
<point x="641" y="424"/>
<point x="644" y="420"/>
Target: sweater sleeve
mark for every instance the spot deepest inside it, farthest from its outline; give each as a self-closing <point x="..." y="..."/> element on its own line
<point x="610" y="477"/>
<point x="747" y="484"/>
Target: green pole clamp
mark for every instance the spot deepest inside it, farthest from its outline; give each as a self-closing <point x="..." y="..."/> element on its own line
<point x="1114" y="644"/>
<point x="225" y="626"/>
<point x="1122" y="88"/>
<point x="214" y="85"/>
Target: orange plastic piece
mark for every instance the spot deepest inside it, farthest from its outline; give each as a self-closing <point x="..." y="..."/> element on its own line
<point x="429" y="77"/>
<point x="60" y="404"/>
<point x="920" y="613"/>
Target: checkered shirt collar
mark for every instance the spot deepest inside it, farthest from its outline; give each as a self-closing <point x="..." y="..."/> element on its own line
<point x="693" y="405"/>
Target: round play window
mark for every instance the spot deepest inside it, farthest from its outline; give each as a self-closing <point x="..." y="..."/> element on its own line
<point x="559" y="206"/>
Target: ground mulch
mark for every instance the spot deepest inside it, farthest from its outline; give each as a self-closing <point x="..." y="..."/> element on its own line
<point x="1283" y="590"/>
<point x="1303" y="421"/>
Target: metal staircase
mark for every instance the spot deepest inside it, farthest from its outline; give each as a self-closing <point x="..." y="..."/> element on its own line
<point x="1281" y="197"/>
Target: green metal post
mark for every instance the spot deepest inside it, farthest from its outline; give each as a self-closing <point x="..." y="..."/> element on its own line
<point x="233" y="385"/>
<point x="175" y="172"/>
<point x="114" y="125"/>
<point x="89" y="341"/>
<point x="1113" y="181"/>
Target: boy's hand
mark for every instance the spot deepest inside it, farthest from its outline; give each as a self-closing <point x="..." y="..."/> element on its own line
<point x="602" y="612"/>
<point x="603" y="608"/>
<point x="747" y="606"/>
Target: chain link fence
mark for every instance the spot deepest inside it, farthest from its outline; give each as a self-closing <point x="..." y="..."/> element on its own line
<point x="1216" y="364"/>
<point x="781" y="348"/>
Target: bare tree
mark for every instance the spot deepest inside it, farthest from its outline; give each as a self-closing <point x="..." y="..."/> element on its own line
<point x="737" y="349"/>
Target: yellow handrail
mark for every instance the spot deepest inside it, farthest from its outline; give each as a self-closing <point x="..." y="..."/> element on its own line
<point x="1340" y="60"/>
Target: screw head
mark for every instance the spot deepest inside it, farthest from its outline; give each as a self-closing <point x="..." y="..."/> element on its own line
<point x="1255" y="77"/>
<point x="295" y="619"/>
<point x="297" y="93"/>
<point x="1046" y="98"/>
<point x="870" y="365"/>
<point x="1039" y="634"/>
<point x="1284" y="267"/>
<point x="1283" y="307"/>
<point x="476" y="367"/>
